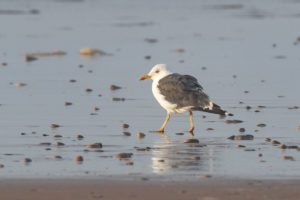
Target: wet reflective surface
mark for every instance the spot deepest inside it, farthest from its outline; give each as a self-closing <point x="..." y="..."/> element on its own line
<point x="243" y="54"/>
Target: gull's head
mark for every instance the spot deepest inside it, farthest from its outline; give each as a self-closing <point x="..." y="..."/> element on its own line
<point x="157" y="72"/>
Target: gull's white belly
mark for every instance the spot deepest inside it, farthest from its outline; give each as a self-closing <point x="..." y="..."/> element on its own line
<point x="170" y="107"/>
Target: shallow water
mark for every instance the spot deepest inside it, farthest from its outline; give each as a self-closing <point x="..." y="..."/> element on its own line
<point x="253" y="40"/>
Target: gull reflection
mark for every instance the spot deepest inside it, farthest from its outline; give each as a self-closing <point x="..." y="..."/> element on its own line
<point x="175" y="156"/>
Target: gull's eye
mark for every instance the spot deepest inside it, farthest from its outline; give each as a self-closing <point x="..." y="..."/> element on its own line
<point x="157" y="71"/>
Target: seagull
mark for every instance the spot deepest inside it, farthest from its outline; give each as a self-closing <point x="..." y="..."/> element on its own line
<point x="178" y="93"/>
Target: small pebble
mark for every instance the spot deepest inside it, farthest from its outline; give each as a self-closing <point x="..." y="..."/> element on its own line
<point x="1" y="165"/>
<point x="129" y="163"/>
<point x="256" y="110"/>
<point x="209" y="129"/>
<point x="126" y="134"/>
<point x="195" y="158"/>
<point x="291" y="158"/>
<point x="140" y="135"/>
<point x="293" y="107"/>
<point x="114" y="87"/>
<point x="94" y="146"/>
<point x="29" y="58"/>
<point x="151" y="40"/>
<point x="241" y="146"/>
<point x="268" y="139"/>
<point x="261" y="125"/>
<point x="23" y="133"/>
<point x="241" y="137"/>
<point x="275" y="142"/>
<point x="124" y="155"/>
<point x="54" y="126"/>
<point x="96" y="108"/>
<point x="68" y="103"/>
<point x="99" y="95"/>
<point x="88" y="90"/>
<point x="59" y="144"/>
<point x="57" y="136"/>
<point x="45" y="135"/>
<point x="45" y="143"/>
<point x="79" y="137"/>
<point x="79" y="159"/>
<point x="206" y="176"/>
<point x="282" y="146"/>
<point x="87" y="51"/>
<point x="179" y="50"/>
<point x="20" y="84"/>
<point x="248" y="107"/>
<point x="161" y="160"/>
<point x="27" y="160"/>
<point x="72" y="81"/>
<point x="234" y="121"/>
<point x="48" y="149"/>
<point x="179" y="133"/>
<point x="292" y="147"/>
<point x="56" y="157"/>
<point x="147" y="57"/>
<point x="144" y="179"/>
<point x="260" y="106"/>
<point x="118" y="99"/>
<point x="280" y="57"/>
<point x="125" y="125"/>
<point x="191" y="141"/>
<point x="3" y="64"/>
<point x="142" y="148"/>
<point x="241" y="130"/>
<point x="249" y="150"/>
<point x="260" y="155"/>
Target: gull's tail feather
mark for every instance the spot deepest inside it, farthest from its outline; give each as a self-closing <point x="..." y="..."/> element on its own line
<point x="216" y="109"/>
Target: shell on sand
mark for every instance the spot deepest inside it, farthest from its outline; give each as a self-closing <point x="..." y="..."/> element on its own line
<point x="87" y="51"/>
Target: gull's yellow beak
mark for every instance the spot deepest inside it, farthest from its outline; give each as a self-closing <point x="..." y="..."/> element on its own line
<point x="144" y="77"/>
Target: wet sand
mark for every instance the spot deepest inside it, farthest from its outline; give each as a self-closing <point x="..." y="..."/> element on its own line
<point x="244" y="54"/>
<point x="206" y="189"/>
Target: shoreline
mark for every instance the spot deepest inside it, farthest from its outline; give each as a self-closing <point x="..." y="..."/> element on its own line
<point x="206" y="189"/>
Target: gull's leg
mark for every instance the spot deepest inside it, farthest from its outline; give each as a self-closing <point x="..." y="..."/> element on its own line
<point x="192" y="122"/>
<point x="162" y="129"/>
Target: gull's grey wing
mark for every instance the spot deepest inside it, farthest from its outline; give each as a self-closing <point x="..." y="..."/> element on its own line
<point x="183" y="90"/>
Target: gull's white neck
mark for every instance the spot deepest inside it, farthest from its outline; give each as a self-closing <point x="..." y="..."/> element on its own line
<point x="160" y="76"/>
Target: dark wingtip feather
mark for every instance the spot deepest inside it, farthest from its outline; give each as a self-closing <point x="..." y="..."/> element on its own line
<point x="216" y="109"/>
